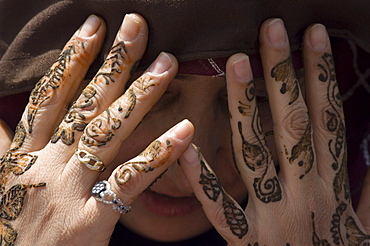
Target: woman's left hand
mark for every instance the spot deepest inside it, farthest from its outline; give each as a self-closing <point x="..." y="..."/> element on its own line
<point x="308" y="201"/>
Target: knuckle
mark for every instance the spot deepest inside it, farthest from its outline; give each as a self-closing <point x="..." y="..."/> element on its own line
<point x="129" y="180"/>
<point x="296" y="121"/>
<point x="143" y="87"/>
<point x="101" y="130"/>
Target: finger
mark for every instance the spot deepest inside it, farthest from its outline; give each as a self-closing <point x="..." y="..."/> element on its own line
<point x="5" y="137"/>
<point x="363" y="210"/>
<point x="103" y="136"/>
<point x="223" y="212"/>
<point x="292" y="127"/>
<point x="56" y="89"/>
<point x="324" y="103"/>
<point x="133" y="177"/>
<point x="252" y="156"/>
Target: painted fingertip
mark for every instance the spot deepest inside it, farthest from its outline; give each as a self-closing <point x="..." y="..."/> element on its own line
<point x="130" y="28"/>
<point x="191" y="155"/>
<point x="182" y="130"/>
<point x="90" y="27"/>
<point x="276" y="33"/>
<point x="242" y="69"/>
<point x="161" y="64"/>
<point x="318" y="37"/>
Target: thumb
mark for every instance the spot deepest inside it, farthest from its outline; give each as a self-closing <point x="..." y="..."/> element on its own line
<point x="363" y="210"/>
<point x="6" y="136"/>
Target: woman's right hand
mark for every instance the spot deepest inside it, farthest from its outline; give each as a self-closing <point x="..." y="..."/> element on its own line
<point x="47" y="175"/>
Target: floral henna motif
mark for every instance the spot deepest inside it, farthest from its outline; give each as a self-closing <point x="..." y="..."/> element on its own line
<point x="116" y="62"/>
<point x="304" y="150"/>
<point x="53" y="79"/>
<point x="157" y="150"/>
<point x="76" y="119"/>
<point x="284" y="72"/>
<point x="257" y="154"/>
<point x="235" y="217"/>
<point x="101" y="130"/>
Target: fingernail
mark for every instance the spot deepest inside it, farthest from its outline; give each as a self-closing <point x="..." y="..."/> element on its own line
<point x="161" y="64"/>
<point x="276" y="34"/>
<point x="130" y="28"/>
<point x="318" y="37"/>
<point x="90" y="27"/>
<point x="242" y="69"/>
<point x="182" y="130"/>
<point x="191" y="155"/>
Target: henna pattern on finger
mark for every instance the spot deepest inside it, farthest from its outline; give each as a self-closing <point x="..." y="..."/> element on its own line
<point x="335" y="125"/>
<point x="156" y="151"/>
<point x="304" y="150"/>
<point x="19" y="137"/>
<point x="52" y="80"/>
<point x="284" y="72"/>
<point x="101" y="129"/>
<point x="210" y="184"/>
<point x="235" y="217"/>
<point x="114" y="64"/>
<point x="257" y="154"/>
<point x="77" y="119"/>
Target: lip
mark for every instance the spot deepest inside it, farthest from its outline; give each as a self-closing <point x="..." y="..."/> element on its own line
<point x="169" y="206"/>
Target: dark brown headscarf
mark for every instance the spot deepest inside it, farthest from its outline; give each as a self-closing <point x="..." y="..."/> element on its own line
<point x="32" y="33"/>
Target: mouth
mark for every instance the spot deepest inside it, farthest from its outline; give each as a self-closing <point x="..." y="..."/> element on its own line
<point x="169" y="206"/>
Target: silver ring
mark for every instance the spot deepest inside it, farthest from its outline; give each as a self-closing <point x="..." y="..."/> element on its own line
<point x="102" y="192"/>
<point x="89" y="160"/>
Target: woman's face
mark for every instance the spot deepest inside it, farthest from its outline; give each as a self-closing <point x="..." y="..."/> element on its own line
<point x="168" y="210"/>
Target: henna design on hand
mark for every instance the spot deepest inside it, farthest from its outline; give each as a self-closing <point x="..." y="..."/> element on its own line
<point x="335" y="228"/>
<point x="16" y="163"/>
<point x="101" y="130"/>
<point x="316" y="241"/>
<point x="284" y="72"/>
<point x="11" y="205"/>
<point x="154" y="151"/>
<point x="212" y="188"/>
<point x="235" y="217"/>
<point x="210" y="184"/>
<point x="47" y="86"/>
<point x="115" y="63"/>
<point x="267" y="190"/>
<point x="7" y="234"/>
<point x="355" y="236"/>
<point x="304" y="148"/>
<point x="76" y="120"/>
<point x="19" y="137"/>
<point x="338" y="149"/>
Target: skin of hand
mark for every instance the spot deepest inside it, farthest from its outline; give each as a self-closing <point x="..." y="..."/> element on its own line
<point x="91" y="222"/>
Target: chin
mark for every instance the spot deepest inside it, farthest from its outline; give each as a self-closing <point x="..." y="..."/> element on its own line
<point x="163" y="223"/>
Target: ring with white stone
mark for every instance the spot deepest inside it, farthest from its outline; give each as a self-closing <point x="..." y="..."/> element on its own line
<point x="102" y="192"/>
